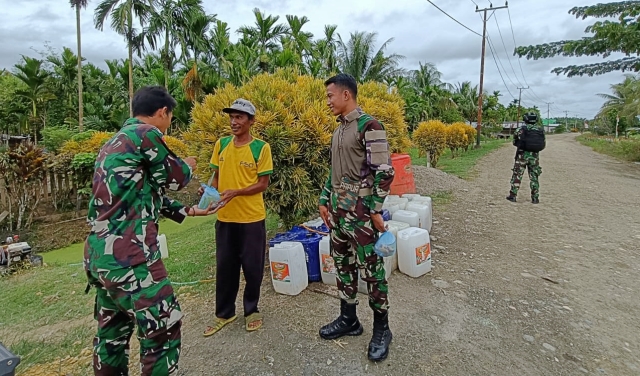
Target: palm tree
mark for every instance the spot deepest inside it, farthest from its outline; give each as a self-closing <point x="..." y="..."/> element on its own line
<point x="266" y="33"/>
<point x="359" y="58"/>
<point x="625" y="98"/>
<point x="194" y="35"/>
<point x="170" y="21"/>
<point x="78" y="5"/>
<point x="466" y="97"/>
<point x="37" y="92"/>
<point x="122" y="13"/>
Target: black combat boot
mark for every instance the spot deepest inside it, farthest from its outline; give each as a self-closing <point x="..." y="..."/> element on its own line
<point x="381" y="339"/>
<point x="347" y="324"/>
<point x="535" y="201"/>
<point x="511" y="198"/>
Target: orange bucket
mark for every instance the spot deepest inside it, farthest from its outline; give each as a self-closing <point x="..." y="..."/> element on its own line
<point x="403" y="181"/>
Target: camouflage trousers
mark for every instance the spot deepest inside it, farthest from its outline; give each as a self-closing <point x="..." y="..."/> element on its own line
<point x="141" y="295"/>
<point x="531" y="162"/>
<point x="352" y="239"/>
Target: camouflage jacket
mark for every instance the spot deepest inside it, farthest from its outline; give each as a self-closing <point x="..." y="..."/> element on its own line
<point x="132" y="171"/>
<point x="360" y="154"/>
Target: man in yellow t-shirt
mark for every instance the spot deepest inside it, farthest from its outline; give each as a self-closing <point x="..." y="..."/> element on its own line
<point x="242" y="165"/>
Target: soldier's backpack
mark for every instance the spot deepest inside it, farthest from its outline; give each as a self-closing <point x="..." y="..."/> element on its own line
<point x="533" y="140"/>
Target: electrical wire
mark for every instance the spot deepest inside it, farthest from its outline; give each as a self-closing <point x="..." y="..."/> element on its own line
<point x="460" y="23"/>
<point x="496" y="61"/>
<point x="492" y="45"/>
<point x="506" y="53"/>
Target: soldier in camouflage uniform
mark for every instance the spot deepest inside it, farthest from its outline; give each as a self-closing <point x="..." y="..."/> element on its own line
<point x="526" y="160"/>
<point x="121" y="255"/>
<point x="351" y="205"/>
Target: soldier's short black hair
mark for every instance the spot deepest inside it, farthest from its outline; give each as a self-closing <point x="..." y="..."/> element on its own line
<point x="150" y="99"/>
<point x="345" y="81"/>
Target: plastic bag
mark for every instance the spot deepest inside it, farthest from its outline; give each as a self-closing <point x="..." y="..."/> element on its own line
<point x="386" y="245"/>
<point x="209" y="196"/>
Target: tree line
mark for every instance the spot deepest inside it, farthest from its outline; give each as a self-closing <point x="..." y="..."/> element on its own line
<point x="175" y="43"/>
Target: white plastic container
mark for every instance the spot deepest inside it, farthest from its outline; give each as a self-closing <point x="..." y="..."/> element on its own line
<point x="423" y="213"/>
<point x="406" y="216"/>
<point x="392" y="197"/>
<point x="414" y="251"/>
<point x="392" y="208"/>
<point x="162" y="244"/>
<point x="425" y="200"/>
<point x="410" y="196"/>
<point x="394" y="227"/>
<point x="288" y="268"/>
<point x="327" y="266"/>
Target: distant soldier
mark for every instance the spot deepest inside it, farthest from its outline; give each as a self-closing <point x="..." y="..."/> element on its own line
<point x="121" y="254"/>
<point x="529" y="140"/>
<point x="351" y="206"/>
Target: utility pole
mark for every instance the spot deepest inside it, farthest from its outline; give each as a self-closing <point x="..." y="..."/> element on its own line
<point x="566" y="122"/>
<point x="519" y="99"/>
<point x="548" y="117"/>
<point x="484" y="39"/>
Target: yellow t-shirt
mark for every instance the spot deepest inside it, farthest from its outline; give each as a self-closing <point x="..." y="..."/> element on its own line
<point x="240" y="167"/>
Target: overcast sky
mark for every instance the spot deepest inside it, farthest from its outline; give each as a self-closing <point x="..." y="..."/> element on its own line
<point x="420" y="32"/>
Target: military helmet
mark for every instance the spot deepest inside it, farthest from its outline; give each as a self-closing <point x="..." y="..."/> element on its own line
<point x="530" y="118"/>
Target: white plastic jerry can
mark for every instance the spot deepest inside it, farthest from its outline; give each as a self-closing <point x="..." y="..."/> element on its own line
<point x="424" y="214"/>
<point x="425" y="200"/>
<point x="327" y="266"/>
<point x="162" y="244"/>
<point x="414" y="251"/>
<point x="410" y="196"/>
<point x="408" y="217"/>
<point x="288" y="268"/>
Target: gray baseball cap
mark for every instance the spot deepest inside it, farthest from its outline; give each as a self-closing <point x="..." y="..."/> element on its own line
<point x="241" y="105"/>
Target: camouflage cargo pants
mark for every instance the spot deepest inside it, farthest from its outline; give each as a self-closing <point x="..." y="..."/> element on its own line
<point x="142" y="296"/>
<point x="526" y="161"/>
<point x="352" y="239"/>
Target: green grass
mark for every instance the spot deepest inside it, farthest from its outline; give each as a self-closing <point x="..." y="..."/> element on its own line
<point x="623" y="149"/>
<point x="51" y="298"/>
<point x="462" y="164"/>
<point x="442" y="197"/>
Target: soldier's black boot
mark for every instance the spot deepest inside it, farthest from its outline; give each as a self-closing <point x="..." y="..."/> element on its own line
<point x="347" y="324"/>
<point x="511" y="198"/>
<point x="381" y="339"/>
<point x="535" y="201"/>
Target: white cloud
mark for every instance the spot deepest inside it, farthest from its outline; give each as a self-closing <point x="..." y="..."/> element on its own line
<point x="420" y="32"/>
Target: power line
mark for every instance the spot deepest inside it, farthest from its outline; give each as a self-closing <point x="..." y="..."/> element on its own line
<point x="506" y="53"/>
<point x="515" y="45"/>
<point x="496" y="61"/>
<point x="496" y="51"/>
<point x="474" y="2"/>
<point x="447" y="14"/>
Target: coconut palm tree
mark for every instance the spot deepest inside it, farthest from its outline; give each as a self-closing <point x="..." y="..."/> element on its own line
<point x="625" y="98"/>
<point x="466" y="98"/>
<point x="359" y="58"/>
<point x="122" y="13"/>
<point x="79" y="5"/>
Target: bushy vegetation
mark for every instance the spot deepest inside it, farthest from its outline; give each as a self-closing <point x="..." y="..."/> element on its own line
<point x="293" y="118"/>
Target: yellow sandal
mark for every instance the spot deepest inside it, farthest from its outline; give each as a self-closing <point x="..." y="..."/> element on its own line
<point x="217" y="325"/>
<point x="253" y="322"/>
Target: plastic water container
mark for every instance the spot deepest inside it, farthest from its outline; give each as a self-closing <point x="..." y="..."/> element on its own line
<point x="414" y="251"/>
<point x="406" y="216"/>
<point x="392" y="208"/>
<point x="394" y="227"/>
<point x="410" y="196"/>
<point x="162" y="244"/>
<point x="393" y="197"/>
<point x="388" y="268"/>
<point x="425" y="200"/>
<point x="402" y="202"/>
<point x="423" y="213"/>
<point x="288" y="268"/>
<point x="310" y="242"/>
<point x="327" y="266"/>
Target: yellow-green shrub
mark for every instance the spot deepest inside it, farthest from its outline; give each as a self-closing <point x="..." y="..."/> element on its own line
<point x="91" y="145"/>
<point x="456" y="137"/>
<point x="431" y="137"/>
<point x="177" y="146"/>
<point x="472" y="135"/>
<point x="294" y="119"/>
